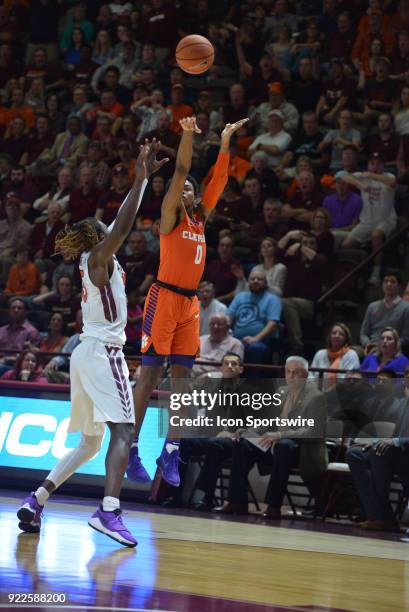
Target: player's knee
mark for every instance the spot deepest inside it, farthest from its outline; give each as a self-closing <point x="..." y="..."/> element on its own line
<point x="91" y="445"/>
<point x="149" y="375"/>
<point x="123" y="432"/>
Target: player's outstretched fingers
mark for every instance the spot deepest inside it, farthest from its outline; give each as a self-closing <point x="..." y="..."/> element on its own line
<point x="230" y="128"/>
<point x="188" y="124"/>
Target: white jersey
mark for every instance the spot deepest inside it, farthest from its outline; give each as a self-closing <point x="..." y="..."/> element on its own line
<point x="104" y="309"/>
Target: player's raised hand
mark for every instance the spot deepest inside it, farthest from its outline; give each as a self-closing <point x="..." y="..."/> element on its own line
<point x="188" y="124"/>
<point x="231" y="128"/>
<point x="141" y="162"/>
<point x="153" y="164"/>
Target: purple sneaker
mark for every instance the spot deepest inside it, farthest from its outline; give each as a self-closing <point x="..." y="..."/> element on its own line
<point x="110" y="523"/>
<point x="30" y="513"/>
<point x="168" y="464"/>
<point x="135" y="470"/>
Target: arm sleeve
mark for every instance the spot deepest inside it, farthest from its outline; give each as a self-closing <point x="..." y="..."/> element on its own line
<point x="405" y="327"/>
<point x="232" y="309"/>
<point x="315" y="364"/>
<point x="274" y="309"/>
<point x="218" y="181"/>
<point x="238" y="348"/>
<point x="350" y="361"/>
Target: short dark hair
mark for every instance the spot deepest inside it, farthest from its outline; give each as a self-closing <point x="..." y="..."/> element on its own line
<point x="350" y="148"/>
<point x="232" y="354"/>
<point x="252" y="177"/>
<point x="394" y="273"/>
<point x="113" y="69"/>
<point x="17" y="299"/>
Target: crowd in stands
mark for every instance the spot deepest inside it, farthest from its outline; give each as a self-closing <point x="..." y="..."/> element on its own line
<point x="318" y="178"/>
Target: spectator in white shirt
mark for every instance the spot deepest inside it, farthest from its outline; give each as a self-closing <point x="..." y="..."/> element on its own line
<point x="378" y="219"/>
<point x="209" y="306"/>
<point x="338" y="355"/>
<point x="275" y="142"/>
<point x="216" y="344"/>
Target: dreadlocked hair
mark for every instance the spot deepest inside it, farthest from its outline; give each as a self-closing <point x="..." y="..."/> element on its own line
<point x="77" y="238"/>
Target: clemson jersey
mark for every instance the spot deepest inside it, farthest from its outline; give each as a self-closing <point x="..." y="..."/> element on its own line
<point x="183" y="254"/>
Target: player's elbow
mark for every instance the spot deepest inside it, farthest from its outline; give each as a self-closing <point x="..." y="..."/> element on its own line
<point x="182" y="169"/>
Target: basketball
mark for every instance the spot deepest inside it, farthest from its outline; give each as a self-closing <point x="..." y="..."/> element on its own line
<point x="194" y="54"/>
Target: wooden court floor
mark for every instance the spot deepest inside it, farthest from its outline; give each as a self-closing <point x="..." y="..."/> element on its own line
<point x="195" y="564"/>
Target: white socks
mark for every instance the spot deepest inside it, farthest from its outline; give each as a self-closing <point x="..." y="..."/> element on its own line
<point x="109" y="504"/>
<point x="42" y="495"/>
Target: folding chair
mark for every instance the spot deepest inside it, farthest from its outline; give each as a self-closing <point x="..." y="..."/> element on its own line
<point x="339" y="473"/>
<point x="334" y="441"/>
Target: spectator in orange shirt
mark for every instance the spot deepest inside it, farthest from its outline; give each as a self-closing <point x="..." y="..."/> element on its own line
<point x="20" y="109"/>
<point x="363" y="25"/>
<point x="23" y="278"/>
<point x="178" y="108"/>
<point x="376" y="29"/>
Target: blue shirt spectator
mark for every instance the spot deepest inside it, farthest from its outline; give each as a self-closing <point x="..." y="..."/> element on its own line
<point x="252" y="311"/>
<point x="372" y="363"/>
<point x="388" y="355"/>
<point x="255" y="315"/>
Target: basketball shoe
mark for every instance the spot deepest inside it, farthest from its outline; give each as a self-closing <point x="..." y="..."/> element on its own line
<point x="168" y="463"/>
<point x="110" y="523"/>
<point x="135" y="470"/>
<point x="29" y="514"/>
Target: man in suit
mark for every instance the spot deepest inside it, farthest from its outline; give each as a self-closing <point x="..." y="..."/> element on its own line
<point x="284" y="449"/>
<point x="374" y="465"/>
<point x="68" y="147"/>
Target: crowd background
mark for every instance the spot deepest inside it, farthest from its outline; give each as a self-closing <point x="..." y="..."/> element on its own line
<point x="318" y="181"/>
<point x="318" y="178"/>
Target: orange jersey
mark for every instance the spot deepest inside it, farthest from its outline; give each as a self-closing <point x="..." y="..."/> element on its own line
<point x="183" y="254"/>
<point x="183" y="251"/>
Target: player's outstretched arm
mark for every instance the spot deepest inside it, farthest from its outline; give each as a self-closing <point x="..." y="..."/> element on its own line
<point x="146" y="165"/>
<point x="216" y="186"/>
<point x="171" y="201"/>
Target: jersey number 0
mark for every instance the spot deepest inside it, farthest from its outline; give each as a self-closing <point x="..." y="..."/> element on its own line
<point x="199" y="254"/>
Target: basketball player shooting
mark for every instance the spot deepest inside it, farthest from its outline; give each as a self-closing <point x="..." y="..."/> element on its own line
<point x="100" y="389"/>
<point x="171" y="316"/>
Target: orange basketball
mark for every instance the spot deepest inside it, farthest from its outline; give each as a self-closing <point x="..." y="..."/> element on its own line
<point x="195" y="54"/>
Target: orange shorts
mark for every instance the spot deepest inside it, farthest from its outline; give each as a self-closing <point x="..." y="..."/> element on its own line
<point x="170" y="323"/>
